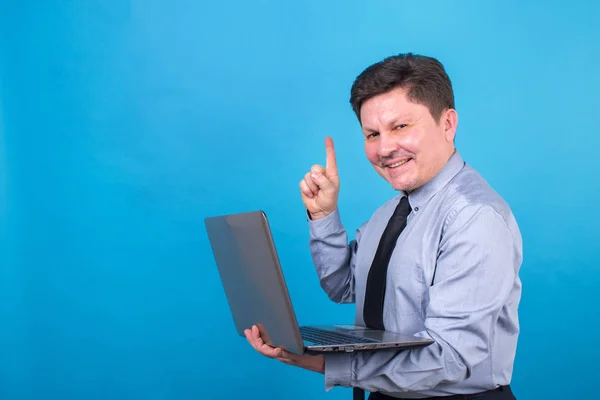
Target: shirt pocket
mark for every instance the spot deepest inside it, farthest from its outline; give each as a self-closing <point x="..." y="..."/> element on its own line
<point x="405" y="287"/>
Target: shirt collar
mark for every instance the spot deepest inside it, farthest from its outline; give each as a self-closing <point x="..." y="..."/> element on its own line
<point x="420" y="197"/>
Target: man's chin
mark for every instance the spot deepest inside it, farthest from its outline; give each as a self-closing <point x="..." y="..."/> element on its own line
<point x="397" y="184"/>
<point x="401" y="186"/>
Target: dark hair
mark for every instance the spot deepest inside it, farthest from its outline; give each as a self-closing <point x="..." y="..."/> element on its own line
<point x="424" y="78"/>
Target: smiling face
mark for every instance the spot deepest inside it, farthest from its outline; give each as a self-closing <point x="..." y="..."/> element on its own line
<point x="403" y="141"/>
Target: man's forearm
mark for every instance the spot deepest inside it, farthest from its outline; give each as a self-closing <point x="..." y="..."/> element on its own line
<point x="333" y="257"/>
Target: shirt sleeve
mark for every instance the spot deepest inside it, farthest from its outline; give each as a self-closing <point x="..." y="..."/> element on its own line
<point x="334" y="257"/>
<point x="477" y="264"/>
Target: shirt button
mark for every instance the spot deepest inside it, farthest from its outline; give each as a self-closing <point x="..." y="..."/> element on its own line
<point x="416" y="208"/>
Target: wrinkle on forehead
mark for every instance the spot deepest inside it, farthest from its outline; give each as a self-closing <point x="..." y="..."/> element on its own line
<point x="387" y="118"/>
<point x="387" y="109"/>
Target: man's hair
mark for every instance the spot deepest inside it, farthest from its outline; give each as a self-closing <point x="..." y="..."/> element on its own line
<point x="423" y="77"/>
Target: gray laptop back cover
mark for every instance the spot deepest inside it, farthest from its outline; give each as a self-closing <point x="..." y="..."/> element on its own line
<point x="253" y="282"/>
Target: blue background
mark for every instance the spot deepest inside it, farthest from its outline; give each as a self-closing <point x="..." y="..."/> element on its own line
<point x="124" y="123"/>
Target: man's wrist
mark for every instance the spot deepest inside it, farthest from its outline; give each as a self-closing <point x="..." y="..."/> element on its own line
<point x="318" y="215"/>
<point x="320" y="364"/>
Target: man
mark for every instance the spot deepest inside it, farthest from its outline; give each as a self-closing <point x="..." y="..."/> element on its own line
<point x="452" y="273"/>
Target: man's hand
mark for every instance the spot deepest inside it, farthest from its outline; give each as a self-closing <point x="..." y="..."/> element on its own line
<point x="311" y="363"/>
<point x="321" y="186"/>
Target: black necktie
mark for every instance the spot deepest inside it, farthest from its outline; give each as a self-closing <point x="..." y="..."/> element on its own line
<point x="376" y="281"/>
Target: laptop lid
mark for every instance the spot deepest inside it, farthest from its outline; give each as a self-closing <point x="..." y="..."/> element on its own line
<point x="248" y="264"/>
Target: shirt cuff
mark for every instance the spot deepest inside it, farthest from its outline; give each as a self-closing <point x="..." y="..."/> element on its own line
<point x="338" y="370"/>
<point x="325" y="226"/>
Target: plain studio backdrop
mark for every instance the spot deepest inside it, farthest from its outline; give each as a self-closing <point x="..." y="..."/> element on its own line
<point x="124" y="123"/>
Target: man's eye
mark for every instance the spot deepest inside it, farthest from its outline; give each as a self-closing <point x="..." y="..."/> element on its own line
<point x="372" y="135"/>
<point x="401" y="126"/>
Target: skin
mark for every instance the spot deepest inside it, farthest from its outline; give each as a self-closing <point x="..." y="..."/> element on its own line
<point x="396" y="130"/>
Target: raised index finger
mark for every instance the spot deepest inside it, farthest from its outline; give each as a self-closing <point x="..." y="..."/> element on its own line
<point x="331" y="163"/>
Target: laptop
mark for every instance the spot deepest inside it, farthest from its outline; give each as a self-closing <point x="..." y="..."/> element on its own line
<point x="253" y="281"/>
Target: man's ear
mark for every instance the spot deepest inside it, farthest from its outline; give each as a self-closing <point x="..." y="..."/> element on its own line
<point x="450" y="121"/>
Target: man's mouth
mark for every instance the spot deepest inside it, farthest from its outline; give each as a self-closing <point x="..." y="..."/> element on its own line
<point x="398" y="163"/>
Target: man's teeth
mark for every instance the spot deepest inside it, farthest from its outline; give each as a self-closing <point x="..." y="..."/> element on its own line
<point x="399" y="163"/>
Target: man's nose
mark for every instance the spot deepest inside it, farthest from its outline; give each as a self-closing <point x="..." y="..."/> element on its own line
<point x="386" y="146"/>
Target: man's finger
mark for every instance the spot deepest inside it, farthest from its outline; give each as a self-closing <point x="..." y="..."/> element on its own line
<point x="317" y="169"/>
<point x="268" y="351"/>
<point x="254" y="338"/>
<point x="255" y="333"/>
<point x="323" y="182"/>
<point x="259" y="346"/>
<point x="285" y="354"/>
<point x="286" y="357"/>
<point x="305" y="189"/>
<point x="312" y="186"/>
<point x="331" y="163"/>
<point x="250" y="339"/>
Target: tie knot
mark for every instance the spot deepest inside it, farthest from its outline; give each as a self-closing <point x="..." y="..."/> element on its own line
<point x="403" y="208"/>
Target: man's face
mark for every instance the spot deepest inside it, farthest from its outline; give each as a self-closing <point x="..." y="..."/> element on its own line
<point x="403" y="141"/>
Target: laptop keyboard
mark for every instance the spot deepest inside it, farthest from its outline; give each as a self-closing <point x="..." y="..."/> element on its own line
<point x="324" y="337"/>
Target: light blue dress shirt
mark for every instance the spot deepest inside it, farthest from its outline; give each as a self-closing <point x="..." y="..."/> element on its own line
<point x="453" y="277"/>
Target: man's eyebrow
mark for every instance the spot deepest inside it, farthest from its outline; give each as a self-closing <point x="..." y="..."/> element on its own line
<point x="393" y="122"/>
<point x="367" y="129"/>
<point x="397" y="119"/>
